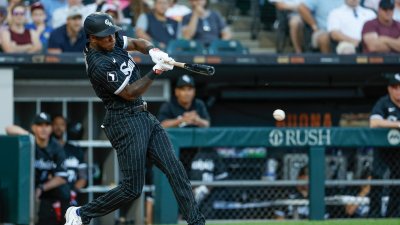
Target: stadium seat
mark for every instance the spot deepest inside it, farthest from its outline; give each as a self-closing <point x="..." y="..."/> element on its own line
<point x="185" y="46"/>
<point x="226" y="47"/>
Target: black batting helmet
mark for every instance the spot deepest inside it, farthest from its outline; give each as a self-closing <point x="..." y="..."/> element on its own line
<point x="100" y="25"/>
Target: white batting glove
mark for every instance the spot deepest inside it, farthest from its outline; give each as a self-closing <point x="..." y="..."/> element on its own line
<point x="158" y="69"/>
<point x="158" y="56"/>
<point x="162" y="67"/>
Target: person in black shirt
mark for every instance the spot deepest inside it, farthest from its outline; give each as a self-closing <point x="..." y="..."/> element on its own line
<point x="134" y="133"/>
<point x="50" y="173"/>
<point x="386" y="114"/>
<point x="74" y="163"/>
<point x="185" y="110"/>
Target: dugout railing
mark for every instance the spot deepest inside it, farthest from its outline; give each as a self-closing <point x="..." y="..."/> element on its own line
<point x="316" y="140"/>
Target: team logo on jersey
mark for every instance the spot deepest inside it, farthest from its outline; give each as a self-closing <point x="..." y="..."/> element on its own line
<point x="112" y="76"/>
<point x="127" y="69"/>
<point x="108" y="23"/>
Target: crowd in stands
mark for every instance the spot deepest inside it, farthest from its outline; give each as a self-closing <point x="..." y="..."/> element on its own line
<point x="341" y="26"/>
<point x="55" y="26"/>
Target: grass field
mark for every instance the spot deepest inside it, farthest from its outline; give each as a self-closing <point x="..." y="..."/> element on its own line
<point x="327" y="222"/>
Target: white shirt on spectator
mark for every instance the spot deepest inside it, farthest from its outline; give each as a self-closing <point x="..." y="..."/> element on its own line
<point x="60" y="14"/>
<point x="177" y="12"/>
<point x="343" y="19"/>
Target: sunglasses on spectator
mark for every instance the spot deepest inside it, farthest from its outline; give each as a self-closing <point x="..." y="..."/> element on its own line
<point x="16" y="13"/>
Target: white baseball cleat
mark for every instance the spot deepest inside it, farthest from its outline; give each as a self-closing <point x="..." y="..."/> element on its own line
<point x="72" y="217"/>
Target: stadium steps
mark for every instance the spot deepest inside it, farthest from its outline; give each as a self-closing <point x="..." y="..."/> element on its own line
<point x="265" y="41"/>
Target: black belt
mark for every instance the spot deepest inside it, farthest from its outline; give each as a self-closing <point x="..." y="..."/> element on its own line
<point x="140" y="108"/>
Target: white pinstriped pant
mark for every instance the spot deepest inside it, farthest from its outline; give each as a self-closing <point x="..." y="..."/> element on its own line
<point x="133" y="135"/>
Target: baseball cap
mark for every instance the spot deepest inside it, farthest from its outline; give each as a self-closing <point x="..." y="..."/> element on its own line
<point x="42" y="118"/>
<point x="185" y="80"/>
<point x="386" y="4"/>
<point x="74" y="11"/>
<point x="37" y="5"/>
<point x="393" y="78"/>
<point x="100" y="24"/>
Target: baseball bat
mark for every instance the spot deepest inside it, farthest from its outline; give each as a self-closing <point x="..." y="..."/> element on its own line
<point x="196" y="68"/>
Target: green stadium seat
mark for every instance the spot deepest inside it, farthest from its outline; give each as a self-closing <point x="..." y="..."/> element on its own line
<point x="185" y="46"/>
<point x="226" y="47"/>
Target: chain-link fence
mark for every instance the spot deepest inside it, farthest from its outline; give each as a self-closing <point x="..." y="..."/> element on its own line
<point x="271" y="183"/>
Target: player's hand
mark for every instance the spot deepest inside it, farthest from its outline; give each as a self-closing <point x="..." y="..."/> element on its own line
<point x="159" y="68"/>
<point x="159" y="56"/>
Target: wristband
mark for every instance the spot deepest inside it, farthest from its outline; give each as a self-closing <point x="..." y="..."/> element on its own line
<point x="41" y="187"/>
<point x="151" y="75"/>
<point x="148" y="48"/>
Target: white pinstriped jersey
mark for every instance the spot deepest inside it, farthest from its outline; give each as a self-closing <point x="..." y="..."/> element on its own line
<point x="110" y="72"/>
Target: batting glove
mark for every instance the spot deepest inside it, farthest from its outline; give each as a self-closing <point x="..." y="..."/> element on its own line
<point x="158" y="56"/>
<point x="158" y="69"/>
<point x="162" y="67"/>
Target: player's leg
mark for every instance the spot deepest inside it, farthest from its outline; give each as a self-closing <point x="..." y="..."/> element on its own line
<point x="161" y="152"/>
<point x="127" y="137"/>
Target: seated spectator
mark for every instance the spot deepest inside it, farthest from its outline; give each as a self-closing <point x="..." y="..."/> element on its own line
<point x="295" y="22"/>
<point x="18" y="39"/>
<point x="315" y="14"/>
<point x="345" y="25"/>
<point x="156" y="27"/>
<point x="184" y="110"/>
<point x="204" y="25"/>
<point x="69" y="37"/>
<point x="177" y="11"/>
<point x="60" y="15"/>
<point x="396" y="14"/>
<point x="381" y="35"/>
<point x="38" y="24"/>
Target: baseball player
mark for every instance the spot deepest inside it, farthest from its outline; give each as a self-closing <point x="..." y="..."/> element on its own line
<point x="386" y="114"/>
<point x="50" y="173"/>
<point x="133" y="132"/>
<point x="74" y="159"/>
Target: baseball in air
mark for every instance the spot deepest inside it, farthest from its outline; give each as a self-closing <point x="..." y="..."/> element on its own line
<point x="279" y="114"/>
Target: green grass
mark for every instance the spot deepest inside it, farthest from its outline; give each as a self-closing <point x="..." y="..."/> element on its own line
<point x="326" y="222"/>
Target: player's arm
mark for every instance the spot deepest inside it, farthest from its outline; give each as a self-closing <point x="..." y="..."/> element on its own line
<point x="139" y="44"/>
<point x="16" y="130"/>
<point x="139" y="87"/>
<point x="175" y="122"/>
<point x="382" y="123"/>
<point x="54" y="182"/>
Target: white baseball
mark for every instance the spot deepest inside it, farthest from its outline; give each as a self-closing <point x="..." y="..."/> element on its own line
<point x="279" y="114"/>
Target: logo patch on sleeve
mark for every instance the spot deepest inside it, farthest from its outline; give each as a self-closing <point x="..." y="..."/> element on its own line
<point x="112" y="76"/>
